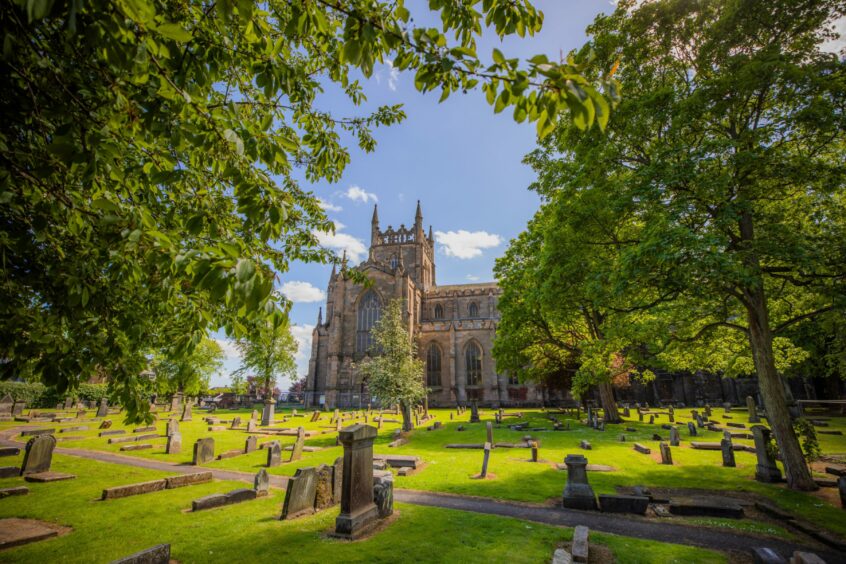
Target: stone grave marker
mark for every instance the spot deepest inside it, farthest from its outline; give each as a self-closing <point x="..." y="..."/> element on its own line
<point x="766" y="469"/>
<point x="324" y="488"/>
<point x="383" y="493"/>
<point x="691" y="429"/>
<point x="172" y="426"/>
<point x="474" y="412"/>
<point x="268" y="413"/>
<point x="274" y="454"/>
<point x="485" y="459"/>
<point x="674" y="436"/>
<point x="186" y="411"/>
<point x="103" y="408"/>
<point x="252" y="426"/>
<point x="261" y="483"/>
<point x="297" y="450"/>
<point x="251" y="444"/>
<point x="666" y="455"/>
<point x="236" y="422"/>
<point x="577" y="492"/>
<point x="38" y="455"/>
<point x="174" y="443"/>
<point x="727" y="450"/>
<point x="203" y="451"/>
<point x="299" y="497"/>
<point x="752" y="409"/>
<point x="489" y="428"/>
<point x="358" y="511"/>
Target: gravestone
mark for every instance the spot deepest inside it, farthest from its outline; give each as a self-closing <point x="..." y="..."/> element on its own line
<point x="186" y="411"/>
<point x="674" y="436"/>
<point x="268" y="413"/>
<point x="252" y="426"/>
<point x="299" y="497"/>
<point x="640" y="416"/>
<point x="103" y="408"/>
<point x="691" y="428"/>
<point x="254" y="415"/>
<point x="324" y="488"/>
<point x="68" y="404"/>
<point x="337" y="478"/>
<point x="485" y="459"/>
<point x="172" y="426"/>
<point x="174" y="443"/>
<point x="752" y="409"/>
<point x="261" y="483"/>
<point x="274" y="454"/>
<point x="651" y="419"/>
<point x="358" y="511"/>
<point x="7" y="405"/>
<point x="489" y="428"/>
<point x="766" y="469"/>
<point x="534" y="451"/>
<point x="297" y="450"/>
<point x="203" y="451"/>
<point x="700" y="421"/>
<point x="727" y="450"/>
<point x="175" y="402"/>
<point x="577" y="492"/>
<point x="159" y="554"/>
<point x="383" y="493"/>
<point x="707" y="410"/>
<point x="38" y="455"/>
<point x="474" y="412"/>
<point x="251" y="444"/>
<point x="236" y="422"/>
<point x="666" y="455"/>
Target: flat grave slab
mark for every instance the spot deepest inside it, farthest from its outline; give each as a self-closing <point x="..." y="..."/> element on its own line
<point x="48" y="477"/>
<point x="18" y="490"/>
<point x="706" y="507"/>
<point x="16" y="532"/>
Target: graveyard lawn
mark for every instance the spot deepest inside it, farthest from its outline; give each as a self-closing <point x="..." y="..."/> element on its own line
<point x="106" y="530"/>
<point x="516" y="478"/>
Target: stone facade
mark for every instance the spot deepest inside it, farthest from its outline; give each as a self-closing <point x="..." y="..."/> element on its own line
<point x="453" y="326"/>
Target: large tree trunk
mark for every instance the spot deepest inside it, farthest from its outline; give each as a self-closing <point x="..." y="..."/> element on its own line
<point x="406" y="416"/>
<point x="773" y="394"/>
<point x="609" y="404"/>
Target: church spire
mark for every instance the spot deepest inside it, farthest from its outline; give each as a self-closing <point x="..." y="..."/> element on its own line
<point x="320" y="316"/>
<point x="431" y="239"/>
<point x="375" y="220"/>
<point x="374" y="227"/>
<point x="418" y="223"/>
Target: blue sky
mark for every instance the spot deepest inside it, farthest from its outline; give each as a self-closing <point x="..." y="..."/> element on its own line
<point x="462" y="161"/>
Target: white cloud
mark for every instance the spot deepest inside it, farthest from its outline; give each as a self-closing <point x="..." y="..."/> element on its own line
<point x="340" y="242"/>
<point x="230" y="351"/>
<point x="328" y="206"/>
<point x="393" y="76"/>
<point x="836" y="45"/>
<point x="472" y="278"/>
<point x="356" y="194"/>
<point x="302" y="292"/>
<point x="302" y="334"/>
<point x="466" y="244"/>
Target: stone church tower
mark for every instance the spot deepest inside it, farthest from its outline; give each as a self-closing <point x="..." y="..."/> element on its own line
<point x="454" y="326"/>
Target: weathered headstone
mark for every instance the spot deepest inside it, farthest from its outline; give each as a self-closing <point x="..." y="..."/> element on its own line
<point x="203" y="451"/>
<point x="577" y="492"/>
<point x="727" y="450"/>
<point x="268" y="413"/>
<point x="38" y="455"/>
<point x="383" y="493"/>
<point x="766" y="469"/>
<point x="252" y="426"/>
<point x="580" y="546"/>
<point x="159" y="554"/>
<point x="105" y="424"/>
<point x="358" y="511"/>
<point x="261" y="483"/>
<point x="274" y="454"/>
<point x="251" y="444"/>
<point x="236" y="422"/>
<point x="691" y="428"/>
<point x="666" y="455"/>
<point x="489" y="428"/>
<point x="474" y="412"/>
<point x="186" y="411"/>
<point x="103" y="408"/>
<point x="172" y="426"/>
<point x="175" y="402"/>
<point x="324" y="489"/>
<point x="174" y="443"/>
<point x="534" y="451"/>
<point x="752" y="409"/>
<point x="299" y="443"/>
<point x="674" y="436"/>
<point x="299" y="497"/>
<point x="485" y="460"/>
<point x="254" y="415"/>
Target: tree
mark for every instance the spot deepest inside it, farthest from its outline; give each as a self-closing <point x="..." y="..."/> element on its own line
<point x="238" y="384"/>
<point x="187" y="373"/>
<point x="726" y="153"/>
<point x="151" y="152"/>
<point x="268" y="352"/>
<point x="394" y="373"/>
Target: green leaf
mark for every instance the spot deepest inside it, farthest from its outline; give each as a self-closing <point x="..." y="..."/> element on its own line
<point x="175" y="32"/>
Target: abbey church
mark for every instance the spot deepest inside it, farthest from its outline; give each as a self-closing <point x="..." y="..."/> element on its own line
<point x="453" y="326"/>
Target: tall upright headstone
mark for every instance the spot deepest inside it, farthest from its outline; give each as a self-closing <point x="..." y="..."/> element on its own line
<point x="268" y="413"/>
<point x="175" y="402"/>
<point x="727" y="449"/>
<point x="766" y="469"/>
<point x="251" y="444"/>
<point x="299" y="443"/>
<point x="474" y="412"/>
<point x="666" y="455"/>
<point x="674" y="436"/>
<point x="172" y="426"/>
<point x="358" y="511"/>
<point x="186" y="411"/>
<point x="203" y="451"/>
<point x="577" y="493"/>
<point x="261" y="483"/>
<point x="174" y="443"/>
<point x="489" y="429"/>
<point x="38" y="455"/>
<point x="752" y="409"/>
<point x="274" y="454"/>
<point x="103" y="408"/>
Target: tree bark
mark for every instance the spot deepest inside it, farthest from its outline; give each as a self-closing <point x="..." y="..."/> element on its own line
<point x="769" y="381"/>
<point x="406" y="416"/>
<point x="609" y="404"/>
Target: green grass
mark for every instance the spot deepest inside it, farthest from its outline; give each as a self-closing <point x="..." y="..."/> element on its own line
<point x="450" y="470"/>
<point x="105" y="530"/>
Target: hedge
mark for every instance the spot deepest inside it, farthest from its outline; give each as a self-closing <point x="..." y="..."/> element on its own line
<point x="39" y="395"/>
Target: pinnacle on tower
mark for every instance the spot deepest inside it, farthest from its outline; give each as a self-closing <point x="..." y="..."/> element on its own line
<point x="374" y="227"/>
<point x="431" y="239"/>
<point x="320" y="316"/>
<point x="418" y="223"/>
<point x="419" y="214"/>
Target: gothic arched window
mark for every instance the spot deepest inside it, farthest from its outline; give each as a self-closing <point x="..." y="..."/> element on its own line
<point x="439" y="311"/>
<point x="394" y="262"/>
<point x="473" y="364"/>
<point x="474" y="309"/>
<point x="433" y="365"/>
<point x="369" y="310"/>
